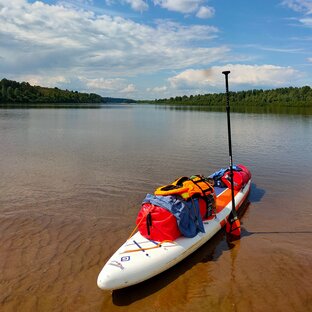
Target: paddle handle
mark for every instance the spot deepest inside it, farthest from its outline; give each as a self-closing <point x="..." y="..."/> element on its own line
<point x="226" y="74"/>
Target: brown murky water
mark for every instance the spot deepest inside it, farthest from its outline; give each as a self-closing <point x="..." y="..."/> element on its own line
<point x="72" y="181"/>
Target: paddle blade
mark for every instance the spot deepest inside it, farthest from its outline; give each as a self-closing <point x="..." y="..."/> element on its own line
<point x="233" y="229"/>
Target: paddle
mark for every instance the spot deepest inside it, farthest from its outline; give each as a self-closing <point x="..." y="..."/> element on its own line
<point x="233" y="225"/>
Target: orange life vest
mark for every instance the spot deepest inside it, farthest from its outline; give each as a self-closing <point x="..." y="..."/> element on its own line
<point x="187" y="187"/>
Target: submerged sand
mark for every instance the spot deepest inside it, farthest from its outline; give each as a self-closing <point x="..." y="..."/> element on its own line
<point x="50" y="262"/>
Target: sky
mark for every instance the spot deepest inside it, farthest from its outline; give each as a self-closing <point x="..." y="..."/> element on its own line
<point x="148" y="49"/>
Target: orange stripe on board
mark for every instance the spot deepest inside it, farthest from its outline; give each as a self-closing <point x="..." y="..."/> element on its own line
<point x="224" y="198"/>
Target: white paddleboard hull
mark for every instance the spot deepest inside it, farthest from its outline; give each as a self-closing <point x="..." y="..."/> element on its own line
<point x="126" y="268"/>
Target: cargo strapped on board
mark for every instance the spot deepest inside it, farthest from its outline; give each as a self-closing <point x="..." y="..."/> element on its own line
<point x="193" y="187"/>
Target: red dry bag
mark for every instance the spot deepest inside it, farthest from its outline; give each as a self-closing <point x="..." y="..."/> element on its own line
<point x="240" y="177"/>
<point x="157" y="223"/>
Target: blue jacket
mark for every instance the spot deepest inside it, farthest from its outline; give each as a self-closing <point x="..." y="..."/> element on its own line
<point x="187" y="213"/>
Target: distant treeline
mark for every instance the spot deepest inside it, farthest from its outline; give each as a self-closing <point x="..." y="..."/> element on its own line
<point x="291" y="97"/>
<point x="16" y="92"/>
<point x="117" y="100"/>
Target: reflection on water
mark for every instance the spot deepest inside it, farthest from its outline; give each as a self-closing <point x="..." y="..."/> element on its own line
<point x="71" y="185"/>
<point x="243" y="109"/>
<point x="276" y="109"/>
<point x="61" y="105"/>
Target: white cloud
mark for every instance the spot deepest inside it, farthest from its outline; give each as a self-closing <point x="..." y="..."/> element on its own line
<point x="109" y="86"/>
<point x="44" y="80"/>
<point x="76" y="3"/>
<point x="40" y="24"/>
<point x="157" y="89"/>
<point x="75" y="48"/>
<point x="129" y="89"/>
<point x="275" y="49"/>
<point x="309" y="59"/>
<point x="193" y="78"/>
<point x="115" y="84"/>
<point x="253" y="75"/>
<point x="205" y="12"/>
<point x="182" y="6"/>
<point x="67" y="42"/>
<point x="185" y="34"/>
<point x="306" y="21"/>
<point x="138" y="5"/>
<point x="158" y="92"/>
<point x="303" y="6"/>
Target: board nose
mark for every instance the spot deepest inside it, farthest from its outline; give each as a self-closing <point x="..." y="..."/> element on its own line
<point x="110" y="280"/>
<point x="103" y="281"/>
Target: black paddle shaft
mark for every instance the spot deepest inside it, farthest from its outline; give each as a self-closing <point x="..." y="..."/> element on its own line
<point x="226" y="74"/>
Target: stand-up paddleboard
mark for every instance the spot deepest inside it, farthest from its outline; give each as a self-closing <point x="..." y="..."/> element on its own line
<point x="138" y="260"/>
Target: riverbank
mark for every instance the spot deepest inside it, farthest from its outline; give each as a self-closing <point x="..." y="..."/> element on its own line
<point x="265" y="99"/>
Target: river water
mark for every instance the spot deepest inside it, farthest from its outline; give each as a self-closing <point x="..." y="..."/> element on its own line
<point x="71" y="185"/>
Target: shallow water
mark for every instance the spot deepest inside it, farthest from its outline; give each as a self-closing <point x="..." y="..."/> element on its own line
<point x="71" y="185"/>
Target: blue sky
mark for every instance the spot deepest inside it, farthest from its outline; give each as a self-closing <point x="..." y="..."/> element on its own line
<point x="146" y="49"/>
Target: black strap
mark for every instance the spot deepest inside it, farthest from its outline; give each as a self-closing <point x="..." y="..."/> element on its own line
<point x="208" y="198"/>
<point x="149" y="222"/>
<point x="202" y="179"/>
